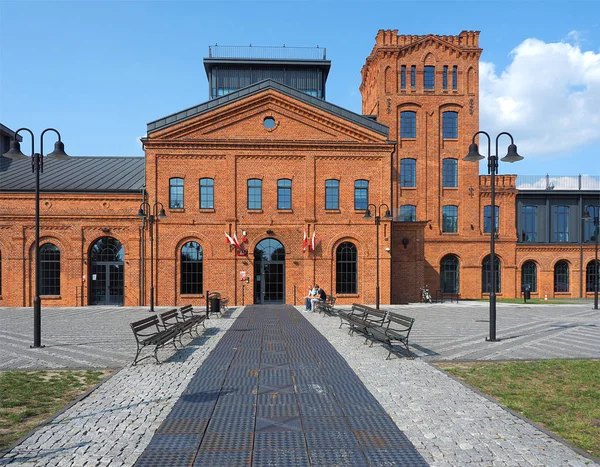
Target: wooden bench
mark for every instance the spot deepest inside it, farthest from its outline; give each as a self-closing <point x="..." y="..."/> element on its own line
<point x="396" y="328"/>
<point x="326" y="306"/>
<point x="151" y="332"/>
<point x="191" y="319"/>
<point x="362" y="317"/>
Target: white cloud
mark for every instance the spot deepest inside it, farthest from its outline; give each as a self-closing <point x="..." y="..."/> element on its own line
<point x="548" y="97"/>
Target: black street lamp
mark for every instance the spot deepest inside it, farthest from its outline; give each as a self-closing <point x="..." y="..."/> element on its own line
<point x="596" y="232"/>
<point x="37" y="166"/>
<point x="511" y="156"/>
<point x="387" y="215"/>
<point x="152" y="215"/>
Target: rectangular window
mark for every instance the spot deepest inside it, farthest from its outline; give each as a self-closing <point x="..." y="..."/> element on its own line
<point x="487" y="219"/>
<point x="361" y="194"/>
<point x="408" y="213"/>
<point x="408" y="173"/>
<point x="560" y="224"/>
<point x="207" y="193"/>
<point x="454" y="77"/>
<point x="332" y="194"/>
<point x="254" y="193"/>
<point x="403" y="77"/>
<point x="450" y="125"/>
<point x="413" y="77"/>
<point x="450" y="173"/>
<point x="429" y="77"/>
<point x="588" y="227"/>
<point x="450" y="219"/>
<point x="408" y="124"/>
<point x="284" y="194"/>
<point x="176" y="193"/>
<point x="445" y="77"/>
<point x="529" y="224"/>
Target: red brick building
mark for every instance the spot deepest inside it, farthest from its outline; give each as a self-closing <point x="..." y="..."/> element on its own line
<point x="268" y="161"/>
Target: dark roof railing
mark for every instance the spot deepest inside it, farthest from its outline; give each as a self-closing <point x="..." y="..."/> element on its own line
<point x="558" y="182"/>
<point x="267" y="52"/>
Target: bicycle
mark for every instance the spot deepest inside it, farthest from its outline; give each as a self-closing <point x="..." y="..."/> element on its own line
<point x="425" y="295"/>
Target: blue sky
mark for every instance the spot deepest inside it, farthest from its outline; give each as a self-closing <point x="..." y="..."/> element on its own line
<point x="99" y="71"/>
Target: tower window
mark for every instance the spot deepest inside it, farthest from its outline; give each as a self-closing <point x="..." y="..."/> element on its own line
<point x="429" y="77"/>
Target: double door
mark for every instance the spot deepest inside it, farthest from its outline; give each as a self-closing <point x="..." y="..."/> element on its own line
<point x="269" y="282"/>
<point x="107" y="283"/>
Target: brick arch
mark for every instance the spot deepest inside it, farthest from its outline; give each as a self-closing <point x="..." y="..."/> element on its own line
<point x="203" y="240"/>
<point x="361" y="244"/>
<point x="558" y="260"/>
<point x="451" y="106"/>
<point x="485" y="255"/>
<point x="388" y="80"/>
<point x="453" y="253"/>
<point x="523" y="261"/>
<point x="429" y="59"/>
<point x="120" y="238"/>
<point x="60" y="241"/>
<point x="259" y="238"/>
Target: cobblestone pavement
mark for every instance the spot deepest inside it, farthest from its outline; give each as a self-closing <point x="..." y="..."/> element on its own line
<point x="79" y="337"/>
<point x="448" y="423"/>
<point x="114" y="424"/>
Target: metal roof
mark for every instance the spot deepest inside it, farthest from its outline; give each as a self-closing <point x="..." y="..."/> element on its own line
<point x="259" y="87"/>
<point x="78" y="174"/>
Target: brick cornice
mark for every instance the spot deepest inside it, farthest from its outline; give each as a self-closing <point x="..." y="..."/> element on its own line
<point x="312" y="146"/>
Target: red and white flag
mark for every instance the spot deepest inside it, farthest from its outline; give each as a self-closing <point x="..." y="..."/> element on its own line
<point x="304" y="242"/>
<point x="312" y="241"/>
<point x="237" y="243"/>
<point x="230" y="240"/>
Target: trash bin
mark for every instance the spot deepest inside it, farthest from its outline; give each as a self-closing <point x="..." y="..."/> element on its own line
<point x="215" y="304"/>
<point x="526" y="292"/>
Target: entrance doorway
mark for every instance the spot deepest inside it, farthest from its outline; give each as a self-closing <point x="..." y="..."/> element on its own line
<point x="107" y="272"/>
<point x="269" y="272"/>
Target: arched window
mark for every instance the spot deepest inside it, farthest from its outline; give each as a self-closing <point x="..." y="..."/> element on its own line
<point x="449" y="277"/>
<point x="408" y="213"/>
<point x="346" y="269"/>
<point x="449" y="218"/>
<point x="191" y="268"/>
<point x="408" y="173"/>
<point x="529" y="275"/>
<point x="361" y="194"/>
<point x="450" y="173"/>
<point x="207" y="193"/>
<point x="284" y="193"/>
<point x="561" y="276"/>
<point x="450" y="125"/>
<point x="486" y="275"/>
<point x="49" y="269"/>
<point x="332" y="194"/>
<point x="591" y="276"/>
<point x="176" y="193"/>
<point x="254" y="193"/>
<point x="408" y="124"/>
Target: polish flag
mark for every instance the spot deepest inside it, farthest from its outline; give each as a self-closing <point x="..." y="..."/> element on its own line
<point x="312" y="241"/>
<point x="304" y="242"/>
<point x="237" y="243"/>
<point x="230" y="240"/>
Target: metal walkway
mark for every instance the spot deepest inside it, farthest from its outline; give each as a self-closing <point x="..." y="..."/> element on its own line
<point x="275" y="392"/>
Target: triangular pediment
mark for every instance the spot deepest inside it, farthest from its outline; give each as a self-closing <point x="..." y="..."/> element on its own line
<point x="293" y="115"/>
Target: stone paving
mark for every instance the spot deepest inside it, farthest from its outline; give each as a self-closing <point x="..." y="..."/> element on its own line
<point x="447" y="422"/>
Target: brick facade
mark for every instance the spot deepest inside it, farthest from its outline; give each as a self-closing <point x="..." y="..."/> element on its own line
<point x="308" y="145"/>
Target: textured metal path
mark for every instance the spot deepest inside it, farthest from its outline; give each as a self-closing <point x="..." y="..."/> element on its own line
<point x="275" y="392"/>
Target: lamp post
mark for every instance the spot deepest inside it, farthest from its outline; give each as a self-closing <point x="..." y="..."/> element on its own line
<point x="377" y="213"/>
<point x="511" y="156"/>
<point x="152" y="215"/>
<point x="37" y="166"/>
<point x="596" y="278"/>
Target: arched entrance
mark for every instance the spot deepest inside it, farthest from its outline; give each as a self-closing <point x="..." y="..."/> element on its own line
<point x="107" y="278"/>
<point x="269" y="272"/>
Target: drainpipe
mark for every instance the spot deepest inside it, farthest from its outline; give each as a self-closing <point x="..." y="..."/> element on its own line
<point x="143" y="254"/>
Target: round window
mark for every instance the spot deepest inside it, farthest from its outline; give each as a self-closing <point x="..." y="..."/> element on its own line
<point x="269" y="123"/>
